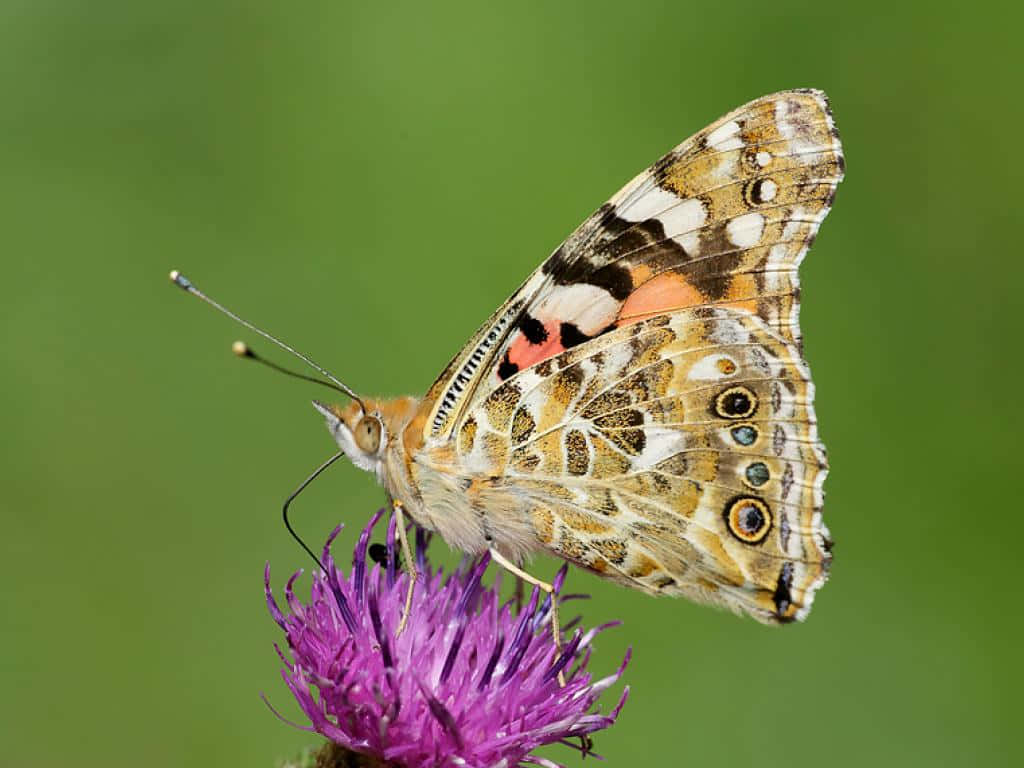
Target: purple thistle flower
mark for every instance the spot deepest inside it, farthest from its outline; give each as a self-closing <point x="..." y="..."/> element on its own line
<point x="470" y="682"/>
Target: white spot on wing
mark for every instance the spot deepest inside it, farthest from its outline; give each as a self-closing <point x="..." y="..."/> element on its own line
<point x="726" y="137"/>
<point x="590" y="308"/>
<point x="707" y="368"/>
<point x="690" y="242"/>
<point x="763" y="158"/>
<point x="745" y="231"/>
<point x="648" y="206"/>
<point x="659" y="444"/>
<point x="685" y="217"/>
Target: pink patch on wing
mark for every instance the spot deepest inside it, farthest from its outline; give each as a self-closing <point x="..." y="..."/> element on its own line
<point x="524" y="353"/>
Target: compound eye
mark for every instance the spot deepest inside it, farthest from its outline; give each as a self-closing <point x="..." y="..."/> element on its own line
<point x="367" y="434"/>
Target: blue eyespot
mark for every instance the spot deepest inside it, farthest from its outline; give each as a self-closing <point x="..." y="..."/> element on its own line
<point x="744" y="435"/>
<point x="757" y="474"/>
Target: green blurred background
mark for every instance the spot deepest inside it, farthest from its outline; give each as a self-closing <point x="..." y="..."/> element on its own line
<point x="370" y="181"/>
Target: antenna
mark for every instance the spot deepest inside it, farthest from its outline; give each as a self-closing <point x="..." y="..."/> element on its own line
<point x="186" y="285"/>
<point x="241" y="349"/>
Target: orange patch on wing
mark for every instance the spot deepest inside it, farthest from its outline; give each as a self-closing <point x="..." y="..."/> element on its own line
<point x="742" y="293"/>
<point x="524" y="353"/>
<point x="640" y="274"/>
<point x="750" y="305"/>
<point x="668" y="291"/>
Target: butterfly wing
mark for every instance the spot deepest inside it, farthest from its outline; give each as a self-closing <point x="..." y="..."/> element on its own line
<point x="722" y="220"/>
<point x="643" y="396"/>
<point x="677" y="455"/>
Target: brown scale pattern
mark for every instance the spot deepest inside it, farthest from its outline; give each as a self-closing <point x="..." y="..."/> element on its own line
<point x="577" y="455"/>
<point x="522" y="426"/>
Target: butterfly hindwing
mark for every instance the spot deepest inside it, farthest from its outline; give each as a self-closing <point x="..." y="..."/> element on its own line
<point x="723" y="220"/>
<point x="678" y="455"/>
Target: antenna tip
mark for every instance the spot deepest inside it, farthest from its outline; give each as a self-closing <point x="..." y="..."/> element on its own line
<point x="179" y="279"/>
<point x="241" y="349"/>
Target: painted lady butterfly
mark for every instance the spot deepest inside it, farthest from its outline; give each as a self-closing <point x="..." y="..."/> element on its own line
<point x="640" y="406"/>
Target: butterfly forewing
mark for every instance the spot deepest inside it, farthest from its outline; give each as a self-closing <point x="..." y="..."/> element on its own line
<point x="723" y="219"/>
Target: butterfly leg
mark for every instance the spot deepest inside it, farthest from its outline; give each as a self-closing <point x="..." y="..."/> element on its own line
<point x="556" y="631"/>
<point x="410" y="564"/>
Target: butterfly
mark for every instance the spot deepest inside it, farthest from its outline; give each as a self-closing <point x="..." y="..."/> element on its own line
<point x="640" y="406"/>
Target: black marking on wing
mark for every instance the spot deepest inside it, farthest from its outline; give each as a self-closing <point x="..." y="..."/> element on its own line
<point x="533" y="329"/>
<point x="571" y="336"/>
<point x="783" y="597"/>
<point x="596" y="262"/>
<point x="507" y="368"/>
<point x="613" y="278"/>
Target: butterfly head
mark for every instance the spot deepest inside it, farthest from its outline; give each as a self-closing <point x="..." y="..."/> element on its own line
<point x="365" y="429"/>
